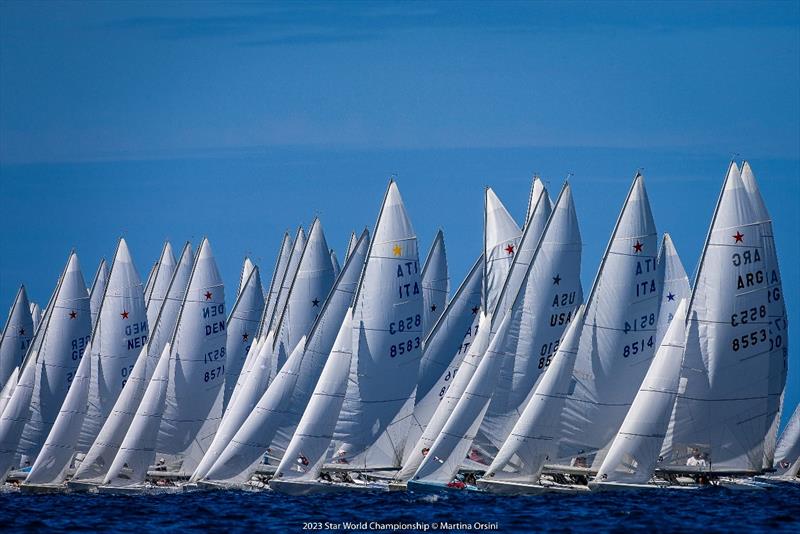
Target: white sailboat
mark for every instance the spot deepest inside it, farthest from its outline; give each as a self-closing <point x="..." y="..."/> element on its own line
<point x="36" y="314"/>
<point x="280" y="288"/>
<point x="49" y="366"/>
<point x="373" y="415"/>
<point x="501" y="238"/>
<point x="721" y="416"/>
<point x="519" y="463"/>
<point x="182" y="404"/>
<point x="120" y="333"/>
<point x="98" y="459"/>
<point x="435" y="284"/>
<point x="631" y="461"/>
<point x="618" y="338"/>
<point x="776" y="312"/>
<point x="98" y="289"/>
<point x="507" y="373"/>
<point x="16" y="337"/>
<point x="242" y="326"/>
<point x="269" y="426"/>
<point x="278" y="273"/>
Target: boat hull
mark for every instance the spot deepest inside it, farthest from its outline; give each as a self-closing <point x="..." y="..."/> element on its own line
<point x="42" y="488"/>
<point x="505" y="487"/>
<point x="622" y="486"/>
<point x="82" y="485"/>
<point x="435" y="487"/>
<point x="319" y="486"/>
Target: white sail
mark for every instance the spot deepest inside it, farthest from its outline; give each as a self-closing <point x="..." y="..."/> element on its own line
<point x="534" y="438"/>
<point x="8" y="389"/>
<point x="787" y="452"/>
<point x="269" y="427"/>
<point x="305" y="454"/>
<point x="443" y="350"/>
<point x="121" y="332"/>
<point x="98" y="289"/>
<point x="304" y="297"/>
<point x="618" y="339"/>
<point x="105" y="447"/>
<point x="537" y="189"/>
<point x="16" y="337"/>
<point x="335" y="262"/>
<point x="721" y="409"/>
<point x="242" y="326"/>
<point x="184" y="401"/>
<point x="509" y="369"/>
<point x="161" y="278"/>
<point x="49" y="367"/>
<point x="247" y="268"/>
<point x="635" y="451"/>
<point x="36" y="314"/>
<point x="435" y="284"/>
<point x="280" y="288"/>
<point x="539" y="317"/>
<point x="776" y="312"/>
<point x="387" y="331"/>
<point x="278" y="273"/>
<point x="675" y="285"/>
<point x="501" y="237"/>
<point x="448" y="401"/>
<point x="151" y="278"/>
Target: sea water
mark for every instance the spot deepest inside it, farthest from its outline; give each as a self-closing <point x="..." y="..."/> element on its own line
<point x="714" y="510"/>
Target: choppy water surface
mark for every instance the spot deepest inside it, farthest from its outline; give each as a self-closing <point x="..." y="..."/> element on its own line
<point x="716" y="510"/>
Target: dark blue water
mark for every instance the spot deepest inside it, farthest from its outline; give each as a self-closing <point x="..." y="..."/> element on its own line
<point x="715" y="510"/>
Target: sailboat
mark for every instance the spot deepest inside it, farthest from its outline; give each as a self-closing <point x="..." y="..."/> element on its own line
<point x="279" y="289"/>
<point x="435" y="283"/>
<point x="269" y="426"/>
<point x="242" y="325"/>
<point x="98" y="289"/>
<point x="363" y="401"/>
<point x="724" y="407"/>
<point x="528" y="333"/>
<point x="313" y="281"/>
<point x="158" y="283"/>
<point x="675" y="285"/>
<point x="48" y="368"/>
<point x="120" y="333"/>
<point x="97" y="461"/>
<point x="787" y="452"/>
<point x="278" y="273"/>
<point x="634" y="454"/>
<point x="16" y="337"/>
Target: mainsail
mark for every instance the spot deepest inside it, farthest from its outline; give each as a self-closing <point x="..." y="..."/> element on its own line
<point x="435" y="284"/>
<point x="387" y="340"/>
<point x="675" y="285"/>
<point x="501" y="237"/>
<point x="16" y="338"/>
<point x="36" y="314"/>
<point x="618" y="338"/>
<point x="120" y="333"/>
<point x="275" y="284"/>
<point x="787" y="452"/>
<point x="335" y="262"/>
<point x="721" y="412"/>
<point x="635" y="451"/>
<point x="49" y="366"/>
<point x="282" y="286"/>
<point x="159" y="280"/>
<point x="242" y="326"/>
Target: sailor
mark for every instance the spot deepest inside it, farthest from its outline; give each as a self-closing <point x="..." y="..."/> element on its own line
<point x="696" y="459"/>
<point x="161" y="465"/>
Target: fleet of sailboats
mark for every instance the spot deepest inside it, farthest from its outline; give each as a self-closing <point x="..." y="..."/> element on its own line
<point x="370" y="376"/>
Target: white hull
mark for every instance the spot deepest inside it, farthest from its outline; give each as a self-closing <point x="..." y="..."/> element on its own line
<point x="505" y="487"/>
<point x="42" y="488"/>
<point x="137" y="489"/>
<point x="622" y="486"/>
<point x="83" y="485"/>
<point x="320" y="486"/>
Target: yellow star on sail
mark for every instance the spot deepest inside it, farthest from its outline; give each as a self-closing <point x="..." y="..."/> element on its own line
<point x="397" y="250"/>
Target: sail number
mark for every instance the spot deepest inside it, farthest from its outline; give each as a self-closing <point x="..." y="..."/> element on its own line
<point x="546" y="353"/>
<point x="634" y="348"/>
<point x="745" y="316"/>
<point x="218" y="372"/>
<point x="449" y="376"/>
<point x="403" y="347"/>
<point x="214" y="355"/>
<point x="405" y="324"/>
<point x="640" y="323"/>
<point x="748" y="340"/>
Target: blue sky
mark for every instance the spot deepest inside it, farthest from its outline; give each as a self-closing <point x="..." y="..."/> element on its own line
<point x="241" y="120"/>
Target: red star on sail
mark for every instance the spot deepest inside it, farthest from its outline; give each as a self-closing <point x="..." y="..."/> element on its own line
<point x="637" y="247"/>
<point x="124" y="314"/>
<point x="738" y="237"/>
<point x="208" y="295"/>
<point x="73" y="314"/>
<point x="510" y="248"/>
